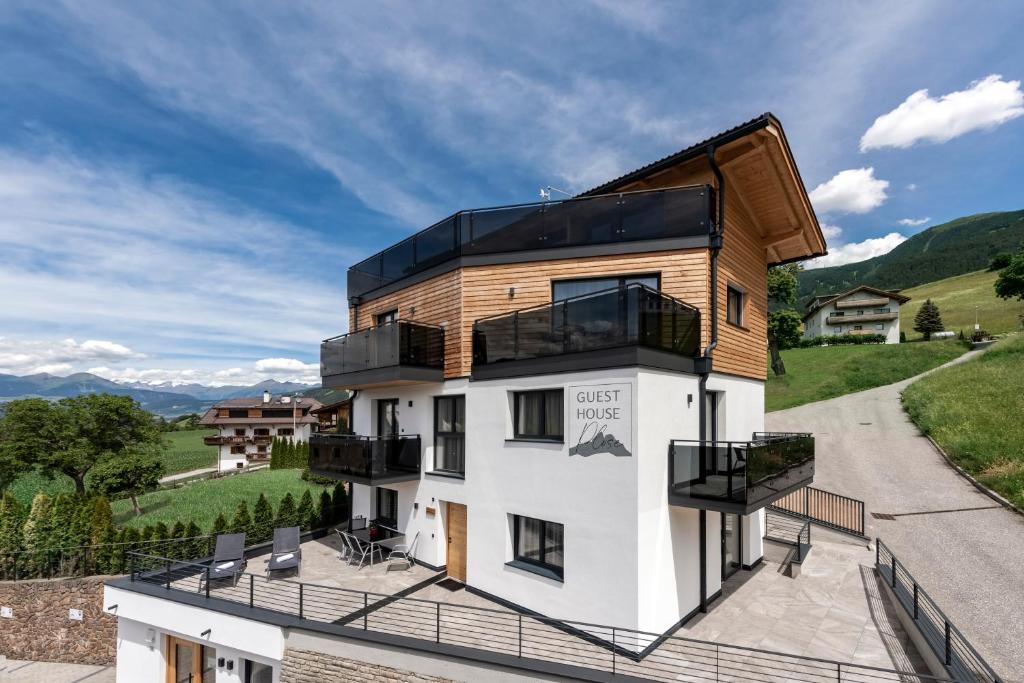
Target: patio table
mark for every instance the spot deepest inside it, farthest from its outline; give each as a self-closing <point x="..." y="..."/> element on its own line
<point x="386" y="537"/>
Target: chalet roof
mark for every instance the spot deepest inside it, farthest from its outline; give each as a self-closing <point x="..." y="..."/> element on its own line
<point x="331" y="407"/>
<point x="276" y="403"/>
<point x="819" y="302"/>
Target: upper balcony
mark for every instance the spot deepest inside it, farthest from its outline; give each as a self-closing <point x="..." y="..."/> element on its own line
<point x="370" y="460"/>
<point x="397" y="352"/>
<point x="739" y="477"/>
<point x="878" y="315"/>
<point x="632" y="325"/>
<point x="661" y="218"/>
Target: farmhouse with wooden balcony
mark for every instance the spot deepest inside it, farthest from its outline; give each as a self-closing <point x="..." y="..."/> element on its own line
<point x="862" y="310"/>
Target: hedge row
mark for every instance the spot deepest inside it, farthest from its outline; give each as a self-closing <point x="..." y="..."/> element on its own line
<point x="842" y="340"/>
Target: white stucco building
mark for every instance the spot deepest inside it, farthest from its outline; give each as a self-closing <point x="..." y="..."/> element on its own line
<point x="247" y="427"/>
<point x="861" y="310"/>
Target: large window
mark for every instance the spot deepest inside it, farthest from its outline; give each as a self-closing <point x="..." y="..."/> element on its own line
<point x="734" y="305"/>
<point x="387" y="507"/>
<point x="538" y="415"/>
<point x="564" y="289"/>
<point x="450" y="434"/>
<point x="539" y="544"/>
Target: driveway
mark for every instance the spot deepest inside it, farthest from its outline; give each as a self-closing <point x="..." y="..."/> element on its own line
<point x="963" y="548"/>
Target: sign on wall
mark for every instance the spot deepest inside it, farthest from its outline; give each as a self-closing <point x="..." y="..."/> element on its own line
<point x="600" y="419"/>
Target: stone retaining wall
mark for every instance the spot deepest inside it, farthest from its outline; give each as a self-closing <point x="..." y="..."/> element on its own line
<point x="305" y="666"/>
<point x="41" y="630"/>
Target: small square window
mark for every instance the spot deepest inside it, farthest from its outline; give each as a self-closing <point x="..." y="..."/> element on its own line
<point x="879" y="326"/>
<point x="538" y="415"/>
<point x="540" y="544"/>
<point x="734" y="305"/>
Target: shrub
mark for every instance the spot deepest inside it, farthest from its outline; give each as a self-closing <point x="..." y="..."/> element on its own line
<point x="36" y="532"/>
<point x="842" y="340"/>
<point x="903" y="337"/>
<point x="339" y="502"/>
<point x="316" y="479"/>
<point x="12" y="517"/>
<point x="197" y="546"/>
<point x="287" y="515"/>
<point x="325" y="510"/>
<point x="262" y="527"/>
<point x="220" y="525"/>
<point x="307" y="513"/>
<point x="241" y="522"/>
<point x="161" y="532"/>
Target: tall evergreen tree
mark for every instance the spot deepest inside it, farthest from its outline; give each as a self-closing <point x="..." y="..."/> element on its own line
<point x="101" y="520"/>
<point x="220" y="525"/>
<point x="339" y="502"/>
<point x="325" y="512"/>
<point x="161" y="532"/>
<point x="287" y="514"/>
<point x="928" y="320"/>
<point x="36" y="533"/>
<point x="12" y="518"/>
<point x="262" y="527"/>
<point x="197" y="544"/>
<point x="241" y="522"/>
<point x="306" y="513"/>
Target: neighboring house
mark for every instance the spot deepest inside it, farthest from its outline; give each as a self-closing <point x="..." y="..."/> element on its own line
<point x="247" y="426"/>
<point x="862" y="310"/>
<point x="334" y="417"/>
<point x="561" y="404"/>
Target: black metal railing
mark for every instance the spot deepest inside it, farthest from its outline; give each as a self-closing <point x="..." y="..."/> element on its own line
<point x="750" y="473"/>
<point x="401" y="342"/>
<point x="825" y="508"/>
<point x="628" y="216"/>
<point x="367" y="457"/>
<point x="93" y="560"/>
<point x="634" y="315"/>
<point x="538" y="643"/>
<point x="784" y="528"/>
<point x="951" y="647"/>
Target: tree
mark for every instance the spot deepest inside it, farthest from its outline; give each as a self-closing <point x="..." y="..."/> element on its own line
<point x="18" y="419"/>
<point x="287" y="515"/>
<point x="262" y="527"/>
<point x="74" y="434"/>
<point x="12" y="518"/>
<point x="220" y="525"/>
<point x="1010" y="282"/>
<point x="241" y="522"/>
<point x="307" y="513"/>
<point x="101" y="520"/>
<point x="783" y="323"/>
<point x="325" y="511"/>
<point x="1000" y="261"/>
<point x="928" y="320"/>
<point x="36" y="532"/>
<point x="339" y="502"/>
<point x="131" y="473"/>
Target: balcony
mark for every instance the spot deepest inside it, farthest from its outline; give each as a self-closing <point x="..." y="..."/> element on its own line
<point x="632" y="325"/>
<point x="739" y="477"/>
<point x="862" y="318"/>
<point x="398" y="352"/>
<point x="224" y="440"/>
<point x="583" y="223"/>
<point x="370" y="460"/>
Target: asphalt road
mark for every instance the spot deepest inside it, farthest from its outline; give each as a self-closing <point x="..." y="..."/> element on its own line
<point x="963" y="548"/>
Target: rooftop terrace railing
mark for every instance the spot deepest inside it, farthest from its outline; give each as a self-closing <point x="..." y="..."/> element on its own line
<point x="621" y="316"/>
<point x="396" y="343"/>
<point x="582" y="651"/>
<point x="629" y="216"/>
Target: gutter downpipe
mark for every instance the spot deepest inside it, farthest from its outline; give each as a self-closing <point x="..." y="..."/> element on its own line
<point x="705" y="371"/>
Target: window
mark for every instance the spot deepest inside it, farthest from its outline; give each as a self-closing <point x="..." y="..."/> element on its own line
<point x="285" y="431"/>
<point x="238" y="450"/>
<point x="882" y="310"/>
<point x="837" y="330"/>
<point x="450" y="434"/>
<point x="387" y="507"/>
<point x="238" y="413"/>
<point x="261" y="450"/>
<point x="564" y="289"/>
<point x="860" y="312"/>
<point x="261" y="431"/>
<point x="858" y="327"/>
<point x="734" y="305"/>
<point x="277" y="412"/>
<point x="879" y="326"/>
<point x="240" y="431"/>
<point x="538" y="544"/>
<point x="386" y="317"/>
<point x="538" y="415"/>
<point x="837" y="314"/>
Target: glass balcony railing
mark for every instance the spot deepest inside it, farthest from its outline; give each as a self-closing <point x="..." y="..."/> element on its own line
<point x="365" y="459"/>
<point x="625" y="217"/>
<point x="739" y="476"/>
<point x="634" y="315"/>
<point x="394" y="344"/>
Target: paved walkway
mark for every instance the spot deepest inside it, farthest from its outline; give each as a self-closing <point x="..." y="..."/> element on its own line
<point x="14" y="671"/>
<point x="961" y="546"/>
<point x="185" y="475"/>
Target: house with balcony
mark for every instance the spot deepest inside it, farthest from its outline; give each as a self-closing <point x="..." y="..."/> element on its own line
<point x="246" y="427"/>
<point x="862" y="310"/>
<point x="558" y="408"/>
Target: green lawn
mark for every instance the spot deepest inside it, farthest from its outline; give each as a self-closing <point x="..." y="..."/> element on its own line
<point x="975" y="411"/>
<point x="957" y="298"/>
<point x="826" y="372"/>
<point x="201" y="502"/>
<point x="185" y="451"/>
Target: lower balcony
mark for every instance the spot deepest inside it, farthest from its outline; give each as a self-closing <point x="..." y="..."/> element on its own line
<point x="862" y="318"/>
<point x="370" y="460"/>
<point x="224" y="440"/>
<point x="739" y="477"/>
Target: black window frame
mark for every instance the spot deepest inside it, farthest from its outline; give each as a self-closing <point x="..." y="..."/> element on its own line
<point x="386" y="317"/>
<point x="238" y="413"/>
<point x="392" y="520"/>
<point x="541" y="567"/>
<point x="542" y="436"/>
<point x="730" y="291"/>
<point x="622" y="280"/>
<point x="438" y="434"/>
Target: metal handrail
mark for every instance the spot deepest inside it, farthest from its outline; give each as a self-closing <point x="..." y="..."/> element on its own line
<point x="588" y="295"/>
<point x="383" y="325"/>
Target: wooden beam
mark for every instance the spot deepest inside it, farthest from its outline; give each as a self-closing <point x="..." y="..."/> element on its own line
<point x="777" y="237"/>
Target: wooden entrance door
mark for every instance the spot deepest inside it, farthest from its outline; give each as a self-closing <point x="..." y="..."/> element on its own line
<point x="189" y="662"/>
<point x="457" y="541"/>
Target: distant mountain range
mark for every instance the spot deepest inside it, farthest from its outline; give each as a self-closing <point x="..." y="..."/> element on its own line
<point x="165" y="399"/>
<point x="960" y="246"/>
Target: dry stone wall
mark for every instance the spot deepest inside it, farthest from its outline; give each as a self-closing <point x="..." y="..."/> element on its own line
<point x="39" y="627"/>
<point x="305" y="666"/>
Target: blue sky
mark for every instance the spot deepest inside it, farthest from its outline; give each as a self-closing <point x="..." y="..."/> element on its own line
<point x="182" y="185"/>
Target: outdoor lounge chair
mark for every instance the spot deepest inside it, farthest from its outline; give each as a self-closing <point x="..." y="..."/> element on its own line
<point x="286" y="553"/>
<point x="228" y="559"/>
<point x="403" y="553"/>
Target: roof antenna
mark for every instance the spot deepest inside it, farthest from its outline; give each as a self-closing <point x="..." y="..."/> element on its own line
<point x="545" y="192"/>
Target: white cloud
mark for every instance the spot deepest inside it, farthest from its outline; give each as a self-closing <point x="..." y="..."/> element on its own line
<point x="285" y="365"/>
<point x="281" y="369"/>
<point x="854" y="190"/>
<point x="21" y="356"/>
<point x="830" y="231"/>
<point x="985" y="104"/>
<point x="912" y="187"/>
<point x="913" y="222"/>
<point x="857" y="251"/>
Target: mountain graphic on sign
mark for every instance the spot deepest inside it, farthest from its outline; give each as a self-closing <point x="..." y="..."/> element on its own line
<point x="600" y="443"/>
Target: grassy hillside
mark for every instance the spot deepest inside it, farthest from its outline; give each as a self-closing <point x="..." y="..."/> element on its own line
<point x="957" y="298"/>
<point x="954" y="248"/>
<point x="974" y="412"/>
<point x="826" y="372"/>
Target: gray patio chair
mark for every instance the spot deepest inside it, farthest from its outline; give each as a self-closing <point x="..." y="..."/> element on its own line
<point x="228" y="559"/>
<point x="363" y="551"/>
<point x="403" y="553"/>
<point x="287" y="553"/>
<point x="350" y="549"/>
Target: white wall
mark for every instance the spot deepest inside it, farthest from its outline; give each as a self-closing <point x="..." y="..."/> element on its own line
<point x="232" y="637"/>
